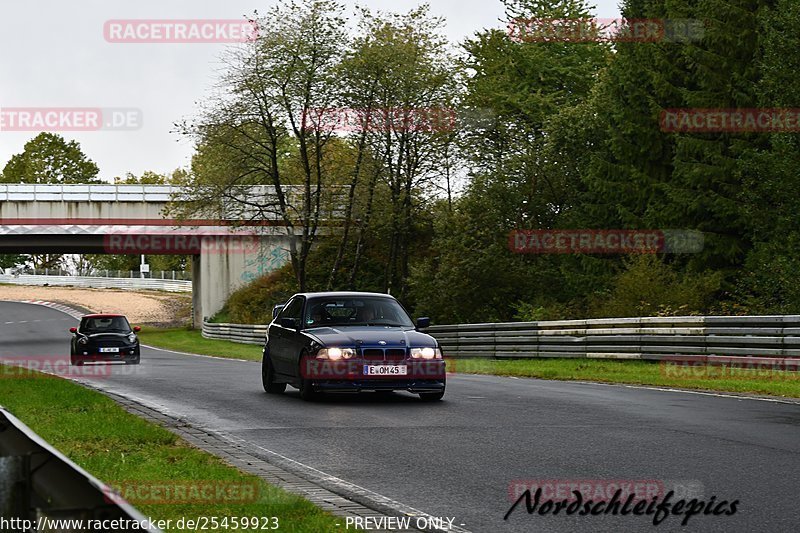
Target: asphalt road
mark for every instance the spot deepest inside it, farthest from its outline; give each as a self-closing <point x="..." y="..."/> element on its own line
<point x="458" y="458"/>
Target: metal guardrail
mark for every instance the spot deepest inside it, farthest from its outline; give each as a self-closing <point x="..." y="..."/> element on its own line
<point x="37" y="481"/>
<point x="649" y="338"/>
<point x="240" y="333"/>
<point x="168" y="285"/>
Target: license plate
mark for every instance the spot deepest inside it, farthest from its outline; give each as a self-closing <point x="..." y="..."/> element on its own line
<point x="109" y="350"/>
<point x="385" y="370"/>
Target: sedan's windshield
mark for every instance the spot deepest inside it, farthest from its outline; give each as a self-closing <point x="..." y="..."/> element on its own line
<point x="360" y="311"/>
<point x="112" y="324"/>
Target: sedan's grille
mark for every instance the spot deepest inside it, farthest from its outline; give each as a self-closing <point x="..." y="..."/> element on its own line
<point x="373" y="354"/>
<point x="394" y="354"/>
<point x="379" y="354"/>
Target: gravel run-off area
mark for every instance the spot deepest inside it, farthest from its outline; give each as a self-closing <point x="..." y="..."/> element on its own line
<point x="153" y="308"/>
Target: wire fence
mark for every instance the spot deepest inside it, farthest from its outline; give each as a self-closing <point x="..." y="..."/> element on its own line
<point x="177" y="275"/>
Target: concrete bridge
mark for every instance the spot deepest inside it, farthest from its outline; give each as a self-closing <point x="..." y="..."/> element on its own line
<point x="130" y="219"/>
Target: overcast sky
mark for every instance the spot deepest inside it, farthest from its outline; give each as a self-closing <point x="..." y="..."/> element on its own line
<point x="54" y="55"/>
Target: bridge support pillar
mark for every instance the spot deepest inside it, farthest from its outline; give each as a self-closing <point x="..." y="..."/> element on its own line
<point x="197" y="282"/>
<point x="227" y="264"/>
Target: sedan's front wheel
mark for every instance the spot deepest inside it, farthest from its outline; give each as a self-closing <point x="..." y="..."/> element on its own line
<point x="307" y="391"/>
<point x="268" y="377"/>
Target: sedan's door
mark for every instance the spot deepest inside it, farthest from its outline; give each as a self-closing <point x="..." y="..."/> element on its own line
<point x="283" y="340"/>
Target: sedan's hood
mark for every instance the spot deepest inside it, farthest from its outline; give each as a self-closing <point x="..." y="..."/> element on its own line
<point x="345" y="336"/>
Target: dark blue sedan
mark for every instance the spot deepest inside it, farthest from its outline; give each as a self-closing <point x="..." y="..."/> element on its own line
<point x="350" y="342"/>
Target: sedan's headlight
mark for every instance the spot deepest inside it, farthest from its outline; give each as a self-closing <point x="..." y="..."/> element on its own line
<point x="426" y="353"/>
<point x="336" y="354"/>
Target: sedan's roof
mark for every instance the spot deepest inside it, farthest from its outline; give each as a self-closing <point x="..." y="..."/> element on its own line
<point x="343" y="294"/>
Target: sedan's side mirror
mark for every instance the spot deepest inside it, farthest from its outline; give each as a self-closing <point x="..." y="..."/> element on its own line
<point x="73" y="330"/>
<point x="137" y="329"/>
<point x="275" y="310"/>
<point x="423" y="322"/>
<point x="289" y="323"/>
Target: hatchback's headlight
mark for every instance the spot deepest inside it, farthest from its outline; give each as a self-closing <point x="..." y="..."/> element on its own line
<point x="336" y="354"/>
<point x="83" y="340"/>
<point x="132" y="338"/>
<point x="426" y="353"/>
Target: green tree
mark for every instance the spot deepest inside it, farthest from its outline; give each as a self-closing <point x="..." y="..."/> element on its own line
<point x="400" y="66"/>
<point x="768" y="283"/>
<point x="12" y="260"/>
<point x="520" y="175"/>
<point x="705" y="190"/>
<point x="257" y="132"/>
<point x="49" y="158"/>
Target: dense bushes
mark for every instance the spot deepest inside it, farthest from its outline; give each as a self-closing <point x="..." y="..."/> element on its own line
<point x="252" y="304"/>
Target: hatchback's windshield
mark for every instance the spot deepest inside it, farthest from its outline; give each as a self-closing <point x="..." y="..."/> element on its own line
<point x="362" y="311"/>
<point x="114" y="324"/>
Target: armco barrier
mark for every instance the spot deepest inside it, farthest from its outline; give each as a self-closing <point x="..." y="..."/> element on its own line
<point x="100" y="282"/>
<point x="650" y="338"/>
<point x="235" y="332"/>
<point x="654" y="338"/>
<point x="38" y="482"/>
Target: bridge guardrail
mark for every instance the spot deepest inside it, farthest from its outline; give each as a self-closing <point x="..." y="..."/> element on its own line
<point x="100" y="282"/>
<point x="38" y="481"/>
<point x="699" y="338"/>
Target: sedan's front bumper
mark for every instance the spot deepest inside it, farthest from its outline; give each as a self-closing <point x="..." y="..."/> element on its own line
<point x="350" y="376"/>
<point x="413" y="386"/>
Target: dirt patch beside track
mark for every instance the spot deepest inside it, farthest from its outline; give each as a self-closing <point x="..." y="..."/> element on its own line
<point x="141" y="307"/>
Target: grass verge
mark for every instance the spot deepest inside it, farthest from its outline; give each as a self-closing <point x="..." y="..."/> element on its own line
<point x="715" y="378"/>
<point x="191" y="341"/>
<point x="768" y="382"/>
<point x="120" y="448"/>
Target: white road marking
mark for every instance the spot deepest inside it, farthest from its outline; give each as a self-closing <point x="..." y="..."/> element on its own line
<point x="198" y="355"/>
<point x="346" y="485"/>
<point x="700" y="393"/>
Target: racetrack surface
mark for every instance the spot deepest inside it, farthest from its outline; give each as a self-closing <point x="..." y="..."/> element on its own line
<point x="458" y="457"/>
